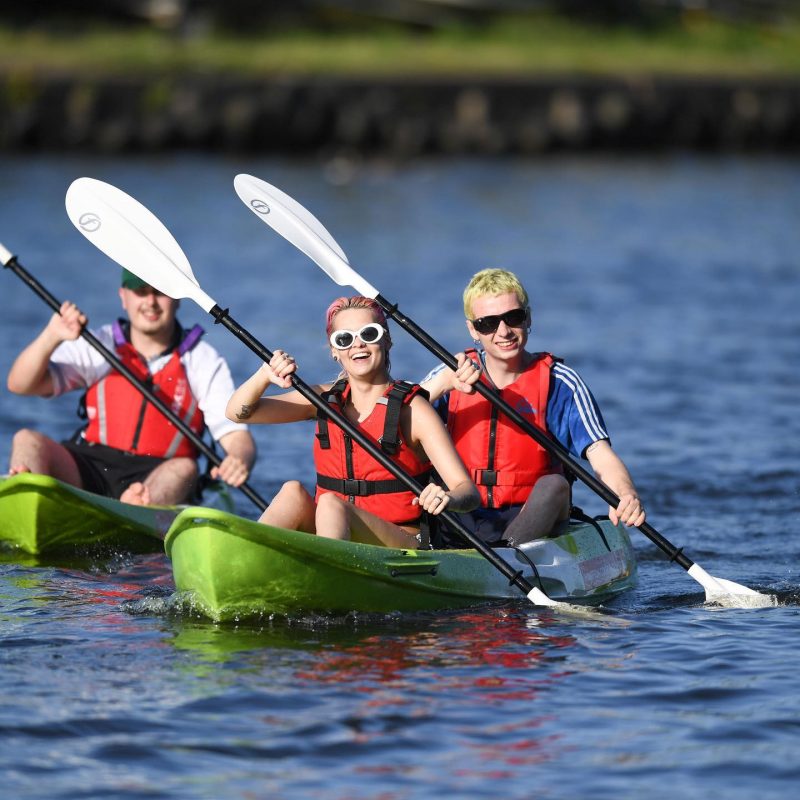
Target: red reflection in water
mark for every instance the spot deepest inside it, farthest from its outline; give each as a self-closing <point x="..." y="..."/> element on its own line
<point x="127" y="583"/>
<point x="460" y="664"/>
<point x="471" y="640"/>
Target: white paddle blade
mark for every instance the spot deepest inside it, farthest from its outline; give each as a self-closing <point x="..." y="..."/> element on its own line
<point x="134" y="237"/>
<point x="5" y="255"/>
<point x="256" y="185"/>
<point x="298" y="226"/>
<point x="539" y="598"/>
<point x="729" y="594"/>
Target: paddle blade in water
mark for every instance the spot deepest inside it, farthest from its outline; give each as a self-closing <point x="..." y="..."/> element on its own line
<point x="134" y="237"/>
<point x="300" y="227"/>
<point x="729" y="594"/>
<point x="539" y="598"/>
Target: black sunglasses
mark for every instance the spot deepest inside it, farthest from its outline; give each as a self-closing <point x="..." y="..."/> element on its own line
<point x="516" y="318"/>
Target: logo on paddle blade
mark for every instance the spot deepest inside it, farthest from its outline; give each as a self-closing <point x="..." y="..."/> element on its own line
<point x="259" y="206"/>
<point x="89" y="222"/>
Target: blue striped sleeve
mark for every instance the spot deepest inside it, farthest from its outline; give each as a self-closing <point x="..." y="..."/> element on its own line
<point x="573" y="415"/>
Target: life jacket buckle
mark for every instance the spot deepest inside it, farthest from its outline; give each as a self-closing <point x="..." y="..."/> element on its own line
<point x="354" y="487"/>
<point x="389" y="447"/>
<point x="487" y="477"/>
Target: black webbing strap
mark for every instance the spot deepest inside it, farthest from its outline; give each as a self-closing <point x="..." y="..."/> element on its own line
<point x="395" y="398"/>
<point x="334" y="397"/>
<point x="581" y="516"/>
<point x="361" y="488"/>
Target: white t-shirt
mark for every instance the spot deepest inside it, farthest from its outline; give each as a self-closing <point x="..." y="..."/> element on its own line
<point x="77" y="365"/>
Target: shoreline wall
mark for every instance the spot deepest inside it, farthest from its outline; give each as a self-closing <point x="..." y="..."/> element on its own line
<point x="399" y="118"/>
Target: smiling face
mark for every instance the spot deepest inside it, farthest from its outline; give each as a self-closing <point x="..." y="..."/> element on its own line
<point x="505" y="344"/>
<point x="361" y="360"/>
<point x="151" y="313"/>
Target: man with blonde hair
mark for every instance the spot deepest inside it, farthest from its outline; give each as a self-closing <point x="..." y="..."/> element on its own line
<point x="525" y="493"/>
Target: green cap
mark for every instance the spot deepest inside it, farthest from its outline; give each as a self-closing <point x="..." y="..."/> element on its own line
<point x="131" y="281"/>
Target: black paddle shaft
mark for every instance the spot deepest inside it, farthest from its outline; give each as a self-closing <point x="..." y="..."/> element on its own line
<point x="222" y="317"/>
<point x="14" y="265"/>
<point x="552" y="446"/>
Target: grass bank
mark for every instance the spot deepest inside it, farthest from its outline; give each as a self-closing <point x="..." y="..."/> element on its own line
<point x="698" y="46"/>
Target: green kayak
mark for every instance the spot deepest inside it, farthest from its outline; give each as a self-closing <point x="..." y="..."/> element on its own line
<point x="39" y="514"/>
<point x="228" y="567"/>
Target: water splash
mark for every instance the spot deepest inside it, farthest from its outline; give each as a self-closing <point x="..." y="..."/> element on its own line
<point x="740" y="600"/>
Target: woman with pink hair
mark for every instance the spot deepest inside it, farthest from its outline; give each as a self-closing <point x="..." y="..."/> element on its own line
<point x="356" y="497"/>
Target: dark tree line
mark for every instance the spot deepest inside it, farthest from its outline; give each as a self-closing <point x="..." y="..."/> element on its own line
<point x="249" y="15"/>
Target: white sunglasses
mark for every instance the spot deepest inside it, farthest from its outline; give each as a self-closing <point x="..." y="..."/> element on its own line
<point x="369" y="334"/>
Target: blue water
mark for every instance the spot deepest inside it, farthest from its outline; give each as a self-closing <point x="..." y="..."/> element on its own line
<point x="671" y="284"/>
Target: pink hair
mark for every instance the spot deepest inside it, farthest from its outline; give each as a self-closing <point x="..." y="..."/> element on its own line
<point x="343" y="303"/>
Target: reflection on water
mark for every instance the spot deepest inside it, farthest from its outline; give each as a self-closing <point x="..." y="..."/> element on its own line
<point x="401" y="672"/>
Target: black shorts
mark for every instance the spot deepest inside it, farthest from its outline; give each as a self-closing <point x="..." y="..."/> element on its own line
<point x="488" y="524"/>
<point x="108" y="471"/>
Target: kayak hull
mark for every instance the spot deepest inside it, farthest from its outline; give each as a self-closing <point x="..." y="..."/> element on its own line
<point x="231" y="568"/>
<point x="39" y="515"/>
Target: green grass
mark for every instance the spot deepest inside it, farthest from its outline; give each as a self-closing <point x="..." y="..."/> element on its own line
<point x="699" y="46"/>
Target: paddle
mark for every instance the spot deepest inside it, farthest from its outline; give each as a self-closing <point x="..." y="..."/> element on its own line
<point x="10" y="262"/>
<point x="132" y="236"/>
<point x="304" y="231"/>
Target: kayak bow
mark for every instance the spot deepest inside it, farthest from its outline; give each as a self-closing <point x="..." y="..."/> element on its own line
<point x="39" y="514"/>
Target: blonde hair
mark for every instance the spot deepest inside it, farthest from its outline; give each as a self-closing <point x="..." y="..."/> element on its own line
<point x="493" y="282"/>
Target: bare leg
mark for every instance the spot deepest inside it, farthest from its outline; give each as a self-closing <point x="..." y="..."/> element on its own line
<point x="168" y="484"/>
<point x="32" y="451"/>
<point x="292" y="508"/>
<point x="546" y="505"/>
<point x="338" y="519"/>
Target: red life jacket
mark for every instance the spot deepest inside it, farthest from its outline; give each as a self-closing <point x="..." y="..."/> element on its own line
<point x="354" y="474"/>
<point x="502" y="460"/>
<point x="120" y="416"/>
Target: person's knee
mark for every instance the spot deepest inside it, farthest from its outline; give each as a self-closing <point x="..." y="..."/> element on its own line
<point x="553" y="489"/>
<point x="294" y="491"/>
<point x="333" y="517"/>
<point x="332" y="507"/>
<point x="328" y="501"/>
<point x="26" y="436"/>
<point x="186" y="468"/>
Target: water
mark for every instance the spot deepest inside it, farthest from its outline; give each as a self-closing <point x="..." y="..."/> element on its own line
<point x="670" y="284"/>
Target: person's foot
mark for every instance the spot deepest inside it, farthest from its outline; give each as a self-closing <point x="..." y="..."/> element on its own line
<point x="137" y="494"/>
<point x="17" y="469"/>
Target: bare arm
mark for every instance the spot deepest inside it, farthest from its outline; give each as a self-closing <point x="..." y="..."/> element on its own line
<point x="428" y="431"/>
<point x="240" y="455"/>
<point x="611" y="470"/>
<point x="247" y="403"/>
<point x="29" y="374"/>
<point x="446" y="379"/>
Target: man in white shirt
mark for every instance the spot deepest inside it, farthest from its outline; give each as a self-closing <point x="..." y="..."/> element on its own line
<point x="128" y="449"/>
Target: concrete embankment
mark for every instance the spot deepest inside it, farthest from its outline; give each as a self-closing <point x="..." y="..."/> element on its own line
<point x="401" y="118"/>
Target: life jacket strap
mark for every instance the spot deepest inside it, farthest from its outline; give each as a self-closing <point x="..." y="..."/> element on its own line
<point x="333" y="397"/>
<point x="361" y="488"/>
<point x="395" y="399"/>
